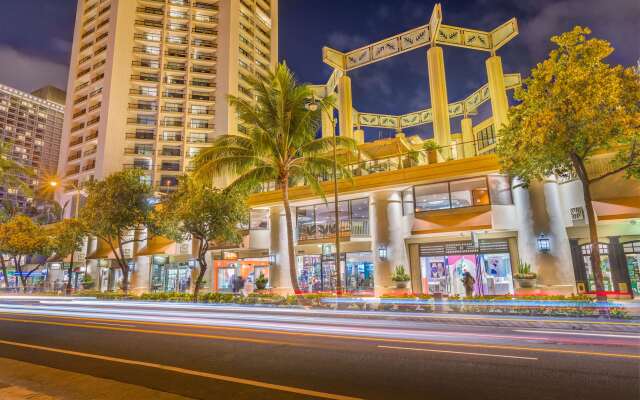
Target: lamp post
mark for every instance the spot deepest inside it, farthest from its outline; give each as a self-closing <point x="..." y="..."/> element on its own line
<point x="54" y="184"/>
<point x="313" y="106"/>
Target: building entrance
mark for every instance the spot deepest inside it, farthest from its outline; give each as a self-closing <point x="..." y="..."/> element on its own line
<point x="444" y="266"/>
<point x="632" y="258"/>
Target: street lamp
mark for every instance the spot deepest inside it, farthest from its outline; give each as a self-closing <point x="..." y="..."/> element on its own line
<point x="54" y="183"/>
<point x="313" y="106"/>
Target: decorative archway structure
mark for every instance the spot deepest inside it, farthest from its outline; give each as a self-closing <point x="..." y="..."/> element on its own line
<point x="434" y="35"/>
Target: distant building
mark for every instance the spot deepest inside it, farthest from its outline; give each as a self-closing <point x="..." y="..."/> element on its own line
<point x="32" y="125"/>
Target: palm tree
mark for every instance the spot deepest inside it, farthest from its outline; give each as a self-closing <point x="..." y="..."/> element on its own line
<point x="279" y="144"/>
<point x="12" y="174"/>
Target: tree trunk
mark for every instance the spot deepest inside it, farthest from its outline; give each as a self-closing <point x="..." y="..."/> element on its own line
<point x="202" y="261"/>
<point x="70" y="273"/>
<point x="124" y="267"/>
<point x="290" y="247"/>
<point x="23" y="279"/>
<point x="593" y="229"/>
<point x="3" y="267"/>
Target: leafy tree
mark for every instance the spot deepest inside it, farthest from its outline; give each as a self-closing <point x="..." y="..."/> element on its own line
<point x="24" y="241"/>
<point x="279" y="145"/>
<point x="13" y="174"/>
<point x="197" y="211"/>
<point x="574" y="106"/>
<point x="119" y="211"/>
<point x="68" y="237"/>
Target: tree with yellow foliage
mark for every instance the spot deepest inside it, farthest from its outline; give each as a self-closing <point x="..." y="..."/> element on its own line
<point x="574" y="106"/>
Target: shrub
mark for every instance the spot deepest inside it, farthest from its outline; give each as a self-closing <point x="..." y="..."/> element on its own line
<point x="524" y="271"/>
<point x="400" y="275"/>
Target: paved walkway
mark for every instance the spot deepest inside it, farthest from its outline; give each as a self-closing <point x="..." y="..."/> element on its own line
<point x="23" y="381"/>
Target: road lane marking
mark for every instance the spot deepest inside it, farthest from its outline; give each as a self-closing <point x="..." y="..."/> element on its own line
<point x="110" y="324"/>
<point x="148" y="331"/>
<point x="302" y="334"/>
<point x="611" y="335"/>
<point x="458" y="352"/>
<point x="219" y="308"/>
<point x="170" y="368"/>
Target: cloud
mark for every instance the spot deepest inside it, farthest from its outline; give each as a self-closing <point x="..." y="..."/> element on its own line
<point x="28" y="73"/>
<point x="346" y="42"/>
<point x="613" y="20"/>
<point x="62" y="45"/>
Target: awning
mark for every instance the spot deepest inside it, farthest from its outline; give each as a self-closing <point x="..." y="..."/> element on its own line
<point x="157" y="246"/>
<point x="618" y="208"/>
<point x="101" y="252"/>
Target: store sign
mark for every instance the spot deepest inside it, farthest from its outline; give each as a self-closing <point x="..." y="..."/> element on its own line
<point x="54" y="266"/>
<point x="184" y="248"/>
<point x="229" y="255"/>
<point x="577" y="214"/>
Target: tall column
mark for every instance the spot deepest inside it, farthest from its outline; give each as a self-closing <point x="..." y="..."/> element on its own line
<point x="387" y="230"/>
<point x="497" y="92"/>
<point x="345" y="107"/>
<point x="439" y="99"/>
<point x="468" y="140"/>
<point x="327" y="123"/>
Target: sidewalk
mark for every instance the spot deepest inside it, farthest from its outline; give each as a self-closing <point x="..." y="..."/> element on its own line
<point x="23" y="381"/>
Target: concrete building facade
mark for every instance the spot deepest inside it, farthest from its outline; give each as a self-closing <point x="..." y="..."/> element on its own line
<point x="149" y="79"/>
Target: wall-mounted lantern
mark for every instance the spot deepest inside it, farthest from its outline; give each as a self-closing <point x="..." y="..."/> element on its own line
<point x="382" y="253"/>
<point x="544" y="243"/>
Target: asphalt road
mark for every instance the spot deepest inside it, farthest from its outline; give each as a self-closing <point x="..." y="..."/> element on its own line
<point x="212" y="352"/>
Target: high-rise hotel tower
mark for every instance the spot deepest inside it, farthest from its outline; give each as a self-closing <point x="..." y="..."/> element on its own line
<point x="149" y="81"/>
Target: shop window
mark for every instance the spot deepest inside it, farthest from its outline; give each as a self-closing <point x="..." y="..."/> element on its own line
<point x="408" y="205"/>
<point x="632" y="256"/>
<point x="469" y="192"/>
<point x="259" y="219"/>
<point x="432" y="197"/>
<point x="604" y="266"/>
<point x="500" y="190"/>
<point x="318" y="221"/>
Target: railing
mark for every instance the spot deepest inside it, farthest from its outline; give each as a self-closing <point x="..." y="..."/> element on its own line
<point x="350" y="228"/>
<point x="454" y="151"/>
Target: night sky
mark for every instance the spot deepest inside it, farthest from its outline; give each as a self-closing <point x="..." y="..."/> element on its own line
<point x="36" y="36"/>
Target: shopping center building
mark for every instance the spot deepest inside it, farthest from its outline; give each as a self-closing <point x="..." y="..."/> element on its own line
<point x="439" y="211"/>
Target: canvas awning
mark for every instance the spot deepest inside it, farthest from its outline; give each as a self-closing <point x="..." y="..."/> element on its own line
<point x="102" y="251"/>
<point x="157" y="246"/>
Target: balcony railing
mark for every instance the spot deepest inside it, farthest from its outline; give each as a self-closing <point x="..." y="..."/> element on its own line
<point x="350" y="228"/>
<point x="454" y="151"/>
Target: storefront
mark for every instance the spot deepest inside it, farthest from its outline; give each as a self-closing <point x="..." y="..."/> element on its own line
<point x="443" y="265"/>
<point x="233" y="274"/>
<point x="632" y="257"/>
<point x="317" y="273"/>
<point x="110" y="275"/>
<point x="169" y="274"/>
<point x="619" y="262"/>
<point x="35" y="281"/>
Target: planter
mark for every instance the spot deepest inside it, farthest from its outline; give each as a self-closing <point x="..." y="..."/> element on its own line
<point x="88" y="285"/>
<point x="526" y="283"/>
<point x="401" y="284"/>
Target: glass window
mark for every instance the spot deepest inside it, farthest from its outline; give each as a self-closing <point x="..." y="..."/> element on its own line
<point x="259" y="219"/>
<point x="500" y="190"/>
<point x="360" y="217"/>
<point x="432" y="197"/>
<point x="469" y="192"/>
<point x="408" y="205"/>
<point x="325" y="221"/>
<point x="305" y="221"/>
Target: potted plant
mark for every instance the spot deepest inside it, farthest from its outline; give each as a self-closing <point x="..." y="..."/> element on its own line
<point x="524" y="276"/>
<point x="431" y="148"/>
<point x="261" y="282"/>
<point x="400" y="277"/>
<point x="88" y="282"/>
